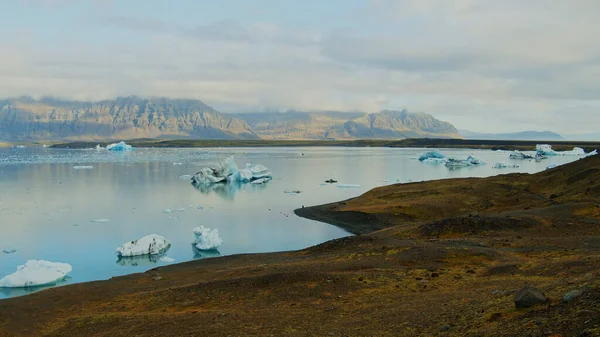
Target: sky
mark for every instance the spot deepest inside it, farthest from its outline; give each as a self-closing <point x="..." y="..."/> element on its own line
<point x="488" y="66"/>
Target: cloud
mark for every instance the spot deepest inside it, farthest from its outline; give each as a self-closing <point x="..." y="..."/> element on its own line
<point x="524" y="65"/>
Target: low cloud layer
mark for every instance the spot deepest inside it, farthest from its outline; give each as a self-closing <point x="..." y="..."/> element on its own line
<point x="482" y="65"/>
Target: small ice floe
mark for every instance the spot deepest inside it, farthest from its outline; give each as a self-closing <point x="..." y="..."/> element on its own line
<point x="292" y="192"/>
<point x="167" y="259"/>
<point x="206" y="238"/>
<point x="167" y="211"/>
<point x="101" y="220"/>
<point x="152" y="244"/>
<point x="227" y="171"/>
<point x="83" y="167"/>
<point x="20" y="146"/>
<point x="99" y="148"/>
<point x="185" y="177"/>
<point x="348" y="186"/>
<point x="551" y="166"/>
<point x="504" y="165"/>
<point x="177" y="164"/>
<point x="36" y="273"/>
<point x="119" y="147"/>
<point x="435" y="161"/>
<point x="9" y="250"/>
<point x="430" y="155"/>
<point x="180" y="210"/>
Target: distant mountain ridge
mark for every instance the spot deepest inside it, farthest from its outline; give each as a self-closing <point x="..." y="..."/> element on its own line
<point x="122" y="118"/>
<point x="28" y="119"/>
<point x="387" y="124"/>
<point x="523" y="135"/>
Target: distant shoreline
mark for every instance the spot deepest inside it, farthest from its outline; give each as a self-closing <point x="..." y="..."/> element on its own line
<point x="508" y="145"/>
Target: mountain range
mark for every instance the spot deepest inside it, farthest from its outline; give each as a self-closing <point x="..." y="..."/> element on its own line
<point x="27" y="119"/>
<point x="523" y="135"/>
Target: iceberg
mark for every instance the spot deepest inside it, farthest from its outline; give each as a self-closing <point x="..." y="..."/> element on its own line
<point x="9" y="250"/>
<point x="593" y="153"/>
<point x="260" y="181"/>
<point x="504" y="165"/>
<point x="546" y="150"/>
<point x="431" y="154"/>
<point x="456" y="163"/>
<point x="206" y="238"/>
<point x="101" y="220"/>
<point x="36" y="273"/>
<point x="227" y="171"/>
<point x="167" y="259"/>
<point x="148" y="245"/>
<point x="83" y="167"/>
<point x="435" y="161"/>
<point x="551" y="166"/>
<point x="120" y="146"/>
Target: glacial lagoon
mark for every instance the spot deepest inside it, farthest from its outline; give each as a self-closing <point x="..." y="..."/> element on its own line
<point x="78" y="206"/>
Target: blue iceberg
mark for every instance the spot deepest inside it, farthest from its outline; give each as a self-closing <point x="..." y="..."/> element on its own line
<point x="431" y="154"/>
<point x="227" y="171"/>
<point x="120" y="147"/>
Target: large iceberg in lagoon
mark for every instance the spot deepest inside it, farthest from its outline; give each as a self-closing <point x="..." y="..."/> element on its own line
<point x="36" y="273"/>
<point x="152" y="244"/>
<point x="456" y="163"/>
<point x="206" y="238"/>
<point x="227" y="171"/>
<point x="120" y="146"/>
<point x="546" y="150"/>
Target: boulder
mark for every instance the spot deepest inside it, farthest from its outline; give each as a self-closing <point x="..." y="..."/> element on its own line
<point x="528" y="296"/>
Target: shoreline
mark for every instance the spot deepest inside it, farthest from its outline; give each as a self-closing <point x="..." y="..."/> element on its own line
<point x="404" y="143"/>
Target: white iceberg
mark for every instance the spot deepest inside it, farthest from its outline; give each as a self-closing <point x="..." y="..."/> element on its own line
<point x="101" y="220"/>
<point x="120" y="146"/>
<point x="504" y="165"/>
<point x="206" y="238"/>
<point x="152" y="244"/>
<point x="593" y="153"/>
<point x="227" y="171"/>
<point x="546" y="150"/>
<point x="83" y="167"/>
<point x="177" y="163"/>
<point x="99" y="148"/>
<point x="167" y="259"/>
<point x="36" y="273"/>
<point x="435" y="161"/>
<point x="431" y="154"/>
<point x="185" y="177"/>
<point x="8" y="250"/>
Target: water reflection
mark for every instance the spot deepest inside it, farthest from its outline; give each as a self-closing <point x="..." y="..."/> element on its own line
<point x="12" y="292"/>
<point x="141" y="260"/>
<point x="228" y="190"/>
<point x="204" y="254"/>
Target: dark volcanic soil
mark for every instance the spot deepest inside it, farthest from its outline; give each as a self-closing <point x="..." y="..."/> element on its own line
<point x="446" y="260"/>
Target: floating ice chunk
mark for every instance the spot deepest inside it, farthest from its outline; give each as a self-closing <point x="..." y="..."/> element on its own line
<point x="177" y="164"/>
<point x="435" y="161"/>
<point x="347" y="186"/>
<point x="148" y="245"/>
<point x="457" y="163"/>
<point x="431" y="154"/>
<point x="20" y="146"/>
<point x="83" y="167"/>
<point x="261" y="181"/>
<point x="551" y="166"/>
<point x="167" y="259"/>
<point x="167" y="211"/>
<point x="120" y="146"/>
<point x="293" y="192"/>
<point x="36" y="273"/>
<point x="180" y="210"/>
<point x="228" y="171"/>
<point x="8" y="250"/>
<point x="101" y="220"/>
<point x="504" y="165"/>
<point x="546" y="150"/>
<point x="185" y="177"/>
<point x="98" y="147"/>
<point x="206" y="238"/>
<point x="593" y="153"/>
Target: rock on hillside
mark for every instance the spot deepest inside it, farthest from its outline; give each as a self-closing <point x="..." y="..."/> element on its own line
<point x="125" y="118"/>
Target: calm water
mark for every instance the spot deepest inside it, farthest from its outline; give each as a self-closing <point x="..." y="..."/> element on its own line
<point x="47" y="206"/>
